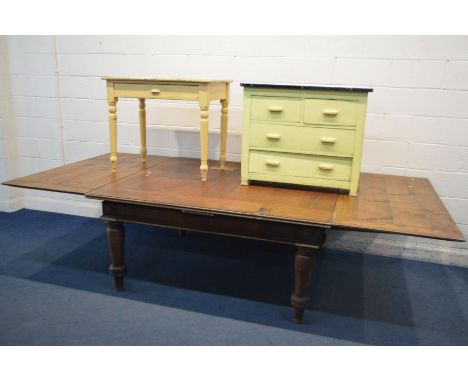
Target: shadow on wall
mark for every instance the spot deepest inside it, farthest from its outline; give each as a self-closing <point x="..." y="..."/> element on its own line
<point x="185" y="142"/>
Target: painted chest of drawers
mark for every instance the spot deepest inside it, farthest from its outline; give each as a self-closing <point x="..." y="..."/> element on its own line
<point x="303" y="134"/>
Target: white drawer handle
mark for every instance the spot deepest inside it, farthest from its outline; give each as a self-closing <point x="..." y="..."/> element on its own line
<point x="155" y="91"/>
<point x="274" y="163"/>
<point x="330" y="140"/>
<point x="275" y="109"/>
<point x="330" y="111"/>
<point x="325" y="166"/>
<point x="274" y="136"/>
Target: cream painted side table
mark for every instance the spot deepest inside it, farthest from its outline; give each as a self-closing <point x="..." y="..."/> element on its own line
<point x="203" y="91"/>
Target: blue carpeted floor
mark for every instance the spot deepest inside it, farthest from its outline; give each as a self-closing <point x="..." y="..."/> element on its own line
<point x="211" y="290"/>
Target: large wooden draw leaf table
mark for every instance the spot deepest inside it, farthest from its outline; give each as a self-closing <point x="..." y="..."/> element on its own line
<point x="168" y="192"/>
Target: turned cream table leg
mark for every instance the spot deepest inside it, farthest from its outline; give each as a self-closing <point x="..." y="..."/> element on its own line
<point x="113" y="131"/>
<point x="142" y="110"/>
<point x="204" y="141"/>
<point x="223" y="138"/>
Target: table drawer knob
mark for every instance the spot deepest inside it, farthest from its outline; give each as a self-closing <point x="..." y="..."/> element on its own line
<point x="330" y="111"/>
<point x="273" y="136"/>
<point x="275" y="109"/>
<point x="273" y="163"/>
<point x="325" y="166"/>
<point x="155" y="91"/>
<point x="330" y="140"/>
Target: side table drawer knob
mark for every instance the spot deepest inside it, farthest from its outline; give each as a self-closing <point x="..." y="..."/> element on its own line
<point x="155" y="91"/>
<point x="330" y="111"/>
<point x="325" y="166"/>
<point x="273" y="163"/>
<point x="273" y="136"/>
<point x="275" y="109"/>
<point x="330" y="140"/>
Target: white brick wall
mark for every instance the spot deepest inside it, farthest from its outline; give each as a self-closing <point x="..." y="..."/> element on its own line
<point x="54" y="110"/>
<point x="10" y="199"/>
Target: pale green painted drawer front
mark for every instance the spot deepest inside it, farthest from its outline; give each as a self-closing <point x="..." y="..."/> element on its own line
<point x="303" y="139"/>
<point x="300" y="165"/>
<point x="276" y="109"/>
<point x="330" y="112"/>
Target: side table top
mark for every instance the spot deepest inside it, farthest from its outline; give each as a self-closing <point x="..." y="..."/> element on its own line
<point x="165" y="80"/>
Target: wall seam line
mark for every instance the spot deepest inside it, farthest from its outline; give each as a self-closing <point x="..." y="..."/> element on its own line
<point x="59" y="104"/>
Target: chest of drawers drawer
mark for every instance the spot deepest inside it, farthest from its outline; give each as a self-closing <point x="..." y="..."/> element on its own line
<point x="275" y="109"/>
<point x="302" y="139"/>
<point x="156" y="90"/>
<point x="308" y="166"/>
<point x="330" y="112"/>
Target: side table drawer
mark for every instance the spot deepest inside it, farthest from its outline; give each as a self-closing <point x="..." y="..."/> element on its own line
<point x="330" y="112"/>
<point x="155" y="90"/>
<point x="311" y="166"/>
<point x="275" y="109"/>
<point x="302" y="139"/>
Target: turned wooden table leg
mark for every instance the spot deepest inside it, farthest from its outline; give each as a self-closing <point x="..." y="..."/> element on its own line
<point x="204" y="141"/>
<point x="113" y="131"/>
<point x="304" y="266"/>
<point x="223" y="134"/>
<point x="142" y="111"/>
<point x="116" y="239"/>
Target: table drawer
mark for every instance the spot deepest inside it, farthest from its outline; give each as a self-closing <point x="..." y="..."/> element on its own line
<point x="302" y="139"/>
<point x="275" y="109"/>
<point x="330" y="112"/>
<point x="313" y="166"/>
<point x="155" y="90"/>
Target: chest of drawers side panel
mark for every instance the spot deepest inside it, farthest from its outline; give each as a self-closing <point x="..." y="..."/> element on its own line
<point x="245" y="138"/>
<point x="358" y="143"/>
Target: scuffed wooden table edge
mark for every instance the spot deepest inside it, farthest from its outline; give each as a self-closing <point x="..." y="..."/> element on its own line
<point x="91" y="193"/>
<point x="16" y="182"/>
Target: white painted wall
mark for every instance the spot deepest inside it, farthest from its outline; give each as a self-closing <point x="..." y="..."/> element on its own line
<point x="53" y="107"/>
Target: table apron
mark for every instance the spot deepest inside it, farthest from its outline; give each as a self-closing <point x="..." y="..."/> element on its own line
<point x="211" y="222"/>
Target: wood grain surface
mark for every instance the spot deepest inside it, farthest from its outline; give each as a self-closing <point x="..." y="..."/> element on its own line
<point x="385" y="203"/>
<point x="175" y="183"/>
<point x="396" y="204"/>
<point x="84" y="176"/>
